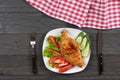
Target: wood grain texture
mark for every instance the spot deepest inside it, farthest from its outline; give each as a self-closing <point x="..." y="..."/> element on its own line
<point x="18" y="19"/>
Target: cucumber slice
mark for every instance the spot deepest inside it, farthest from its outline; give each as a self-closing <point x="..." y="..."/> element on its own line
<point x="80" y="37"/>
<point x="83" y="43"/>
<point x="85" y="52"/>
<point x="80" y="34"/>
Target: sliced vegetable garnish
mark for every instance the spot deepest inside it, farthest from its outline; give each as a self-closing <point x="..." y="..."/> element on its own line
<point x="55" y="58"/>
<point x="85" y="52"/>
<point x="58" y="65"/>
<point x="65" y="68"/>
<point x="80" y="37"/>
<point x="53" y="40"/>
<point x="84" y="43"/>
<point x="54" y="51"/>
<point x="63" y="64"/>
<point x="48" y="53"/>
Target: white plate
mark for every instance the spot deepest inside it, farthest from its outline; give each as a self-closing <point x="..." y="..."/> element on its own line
<point x="73" y="33"/>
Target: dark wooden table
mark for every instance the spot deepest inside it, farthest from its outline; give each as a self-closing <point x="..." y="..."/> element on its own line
<point x="18" y="19"/>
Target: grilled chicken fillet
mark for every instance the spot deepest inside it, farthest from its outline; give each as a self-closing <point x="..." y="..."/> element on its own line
<point x="70" y="49"/>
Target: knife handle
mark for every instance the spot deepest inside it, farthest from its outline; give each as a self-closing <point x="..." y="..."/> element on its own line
<point x="34" y="60"/>
<point x="100" y="59"/>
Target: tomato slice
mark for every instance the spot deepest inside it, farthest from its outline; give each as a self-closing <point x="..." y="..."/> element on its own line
<point x="53" y="59"/>
<point x="54" y="51"/>
<point x="53" y="40"/>
<point x="65" y="68"/>
<point x="59" y="65"/>
<point x="60" y="60"/>
<point x="56" y="65"/>
<point x="63" y="64"/>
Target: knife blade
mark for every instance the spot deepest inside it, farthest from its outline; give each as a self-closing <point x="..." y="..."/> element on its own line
<point x="33" y="52"/>
<point x="99" y="52"/>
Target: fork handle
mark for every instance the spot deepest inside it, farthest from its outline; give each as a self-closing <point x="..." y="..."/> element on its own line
<point x="34" y="60"/>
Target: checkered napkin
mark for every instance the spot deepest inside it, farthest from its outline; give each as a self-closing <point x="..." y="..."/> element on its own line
<point x="99" y="14"/>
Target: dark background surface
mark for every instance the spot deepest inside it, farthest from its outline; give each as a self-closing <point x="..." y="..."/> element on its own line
<point x="18" y="19"/>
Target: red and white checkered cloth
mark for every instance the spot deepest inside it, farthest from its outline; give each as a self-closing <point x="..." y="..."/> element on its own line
<point x="99" y="14"/>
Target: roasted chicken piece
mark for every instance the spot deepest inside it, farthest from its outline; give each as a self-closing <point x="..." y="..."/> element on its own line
<point x="70" y="49"/>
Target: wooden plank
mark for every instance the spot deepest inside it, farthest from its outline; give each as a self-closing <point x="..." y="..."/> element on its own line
<point x="11" y="6"/>
<point x="56" y="77"/>
<point x="11" y="44"/>
<point x="24" y="23"/>
<point x="111" y="43"/>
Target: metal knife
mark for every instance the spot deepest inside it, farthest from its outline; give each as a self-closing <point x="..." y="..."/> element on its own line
<point x="33" y="52"/>
<point x="99" y="51"/>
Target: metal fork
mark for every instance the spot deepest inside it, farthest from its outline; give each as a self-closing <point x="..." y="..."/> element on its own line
<point x="33" y="52"/>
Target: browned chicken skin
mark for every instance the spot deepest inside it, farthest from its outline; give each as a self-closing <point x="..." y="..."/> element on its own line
<point x="70" y="49"/>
